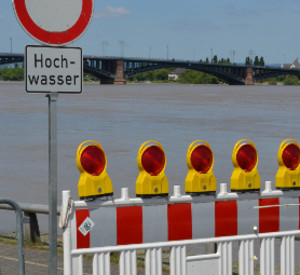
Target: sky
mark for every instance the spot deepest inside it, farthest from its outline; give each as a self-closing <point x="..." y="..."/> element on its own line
<point x="179" y="29"/>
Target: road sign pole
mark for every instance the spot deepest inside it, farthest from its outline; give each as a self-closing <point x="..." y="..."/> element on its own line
<point x="59" y="65"/>
<point x="52" y="99"/>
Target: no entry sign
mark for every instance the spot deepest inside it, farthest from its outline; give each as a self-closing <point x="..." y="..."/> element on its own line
<point x="55" y="22"/>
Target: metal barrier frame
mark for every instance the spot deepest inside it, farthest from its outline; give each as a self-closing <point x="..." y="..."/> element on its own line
<point x="181" y="264"/>
<point x="19" y="225"/>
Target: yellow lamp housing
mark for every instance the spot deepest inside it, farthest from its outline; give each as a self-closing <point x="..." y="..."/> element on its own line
<point x="91" y="162"/>
<point x="245" y="176"/>
<point x="288" y="157"/>
<point x="200" y="160"/>
<point x="151" y="162"/>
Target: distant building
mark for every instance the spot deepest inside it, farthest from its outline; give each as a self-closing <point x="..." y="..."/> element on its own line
<point x="175" y="74"/>
<point x="295" y="65"/>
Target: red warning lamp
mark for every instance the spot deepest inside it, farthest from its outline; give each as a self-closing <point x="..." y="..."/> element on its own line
<point x="91" y="162"/>
<point x="288" y="158"/>
<point x="202" y="159"/>
<point x="200" y="177"/>
<point x="245" y="176"/>
<point x="291" y="156"/>
<point x="151" y="161"/>
<point x="246" y="157"/>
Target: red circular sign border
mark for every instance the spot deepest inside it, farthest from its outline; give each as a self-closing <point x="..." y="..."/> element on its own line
<point x="54" y="38"/>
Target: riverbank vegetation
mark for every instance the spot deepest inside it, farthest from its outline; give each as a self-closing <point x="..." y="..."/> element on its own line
<point x="281" y="80"/>
<point x="187" y="77"/>
<point x="160" y="75"/>
<point x="12" y="74"/>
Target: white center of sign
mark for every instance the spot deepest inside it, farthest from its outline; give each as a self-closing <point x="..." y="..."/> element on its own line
<point x="57" y="15"/>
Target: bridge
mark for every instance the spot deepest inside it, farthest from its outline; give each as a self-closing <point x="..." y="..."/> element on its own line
<point x="116" y="70"/>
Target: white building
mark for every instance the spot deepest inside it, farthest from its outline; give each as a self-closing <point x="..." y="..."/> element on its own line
<point x="175" y="74"/>
<point x="295" y="65"/>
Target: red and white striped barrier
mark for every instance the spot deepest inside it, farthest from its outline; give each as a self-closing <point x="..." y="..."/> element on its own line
<point x="179" y="217"/>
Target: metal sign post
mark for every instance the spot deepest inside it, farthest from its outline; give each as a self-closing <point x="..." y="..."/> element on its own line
<point x="53" y="70"/>
<point x="52" y="100"/>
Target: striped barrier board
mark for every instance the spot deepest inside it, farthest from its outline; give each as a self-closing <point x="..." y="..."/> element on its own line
<point x="179" y="217"/>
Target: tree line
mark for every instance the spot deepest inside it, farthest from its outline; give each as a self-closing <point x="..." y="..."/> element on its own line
<point x="187" y="77"/>
<point x="257" y="61"/>
<point x="12" y="74"/>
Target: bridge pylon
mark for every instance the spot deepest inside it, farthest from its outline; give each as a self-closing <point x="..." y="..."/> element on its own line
<point x="249" y="77"/>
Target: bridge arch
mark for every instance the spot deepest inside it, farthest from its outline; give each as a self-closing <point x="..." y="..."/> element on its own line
<point x="117" y="70"/>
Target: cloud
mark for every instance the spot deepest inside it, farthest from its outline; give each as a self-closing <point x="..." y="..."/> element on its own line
<point x="229" y="9"/>
<point x="111" y="12"/>
<point x="185" y="24"/>
<point x="235" y="11"/>
<point x="194" y="25"/>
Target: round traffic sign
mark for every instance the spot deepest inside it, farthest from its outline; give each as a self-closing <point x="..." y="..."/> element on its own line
<point x="55" y="22"/>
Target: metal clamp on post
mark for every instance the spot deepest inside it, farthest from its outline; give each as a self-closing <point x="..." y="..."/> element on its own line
<point x="66" y="210"/>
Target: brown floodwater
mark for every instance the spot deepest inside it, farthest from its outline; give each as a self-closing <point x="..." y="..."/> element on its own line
<point x="121" y="118"/>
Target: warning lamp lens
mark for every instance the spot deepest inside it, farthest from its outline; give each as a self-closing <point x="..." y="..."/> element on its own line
<point x="246" y="157"/>
<point x="291" y="156"/>
<point x="93" y="160"/>
<point x="201" y="159"/>
<point x="153" y="160"/>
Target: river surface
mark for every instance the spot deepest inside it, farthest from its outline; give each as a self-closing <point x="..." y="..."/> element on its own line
<point x="121" y="118"/>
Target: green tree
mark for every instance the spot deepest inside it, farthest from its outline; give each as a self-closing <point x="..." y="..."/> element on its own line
<point x="195" y="77"/>
<point x="261" y="61"/>
<point x="16" y="73"/>
<point x="291" y="80"/>
<point x="161" y="74"/>
<point x="256" y="61"/>
<point x="224" y="61"/>
<point x="157" y="75"/>
<point x="214" y="59"/>
<point x="248" y="61"/>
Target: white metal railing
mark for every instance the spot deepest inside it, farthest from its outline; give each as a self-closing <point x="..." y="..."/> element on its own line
<point x="31" y="208"/>
<point x="182" y="264"/>
<point x="31" y="225"/>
